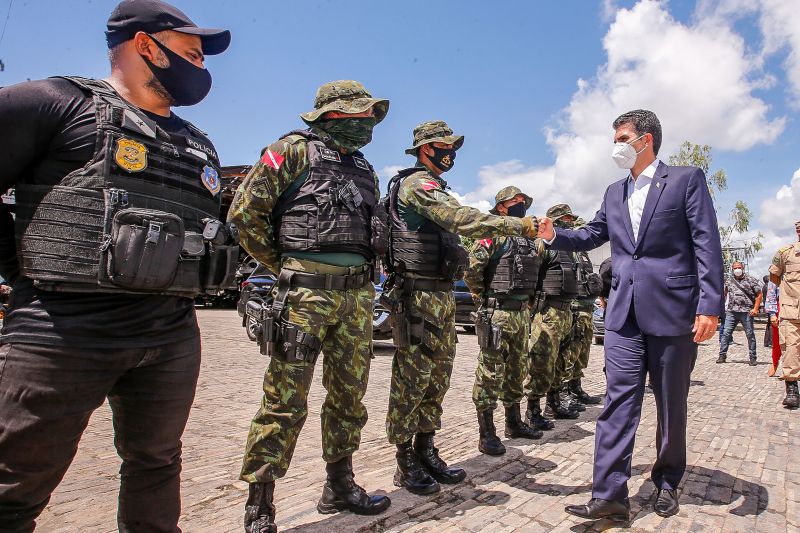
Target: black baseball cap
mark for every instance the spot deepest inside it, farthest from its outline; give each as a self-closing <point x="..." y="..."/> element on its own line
<point x="152" y="16"/>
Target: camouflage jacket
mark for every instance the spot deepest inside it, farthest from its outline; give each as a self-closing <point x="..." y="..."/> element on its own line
<point x="426" y="195"/>
<point x="281" y="165"/>
<point x="485" y="249"/>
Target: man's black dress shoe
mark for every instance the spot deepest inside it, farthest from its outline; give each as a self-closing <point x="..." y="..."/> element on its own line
<point x="666" y="503"/>
<point x="618" y="511"/>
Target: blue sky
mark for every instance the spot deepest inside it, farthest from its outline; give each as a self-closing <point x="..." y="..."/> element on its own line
<point x="532" y="85"/>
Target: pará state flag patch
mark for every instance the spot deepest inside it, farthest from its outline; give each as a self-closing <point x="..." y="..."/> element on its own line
<point x="272" y="159"/>
<point x="485" y="242"/>
<point x="429" y="185"/>
<point x="210" y="179"/>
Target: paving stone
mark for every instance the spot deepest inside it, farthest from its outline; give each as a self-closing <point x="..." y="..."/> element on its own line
<point x="740" y="445"/>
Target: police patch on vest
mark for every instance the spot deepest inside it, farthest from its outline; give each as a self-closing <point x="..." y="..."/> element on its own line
<point x="330" y="155"/>
<point x="210" y="179"/>
<point x="361" y="163"/>
<point x="131" y="155"/>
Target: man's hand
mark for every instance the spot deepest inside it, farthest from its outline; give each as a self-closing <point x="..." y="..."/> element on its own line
<point x="705" y="326"/>
<point x="753" y="312"/>
<point x="546" y="230"/>
<point x="531" y="226"/>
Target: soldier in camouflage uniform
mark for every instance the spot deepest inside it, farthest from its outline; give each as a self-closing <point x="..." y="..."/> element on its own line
<point x="550" y="337"/>
<point x="502" y="276"/>
<point x="309" y="210"/>
<point x="583" y="333"/>
<point x="425" y="257"/>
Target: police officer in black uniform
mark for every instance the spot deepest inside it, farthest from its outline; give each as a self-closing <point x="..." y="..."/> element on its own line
<point x="116" y="230"/>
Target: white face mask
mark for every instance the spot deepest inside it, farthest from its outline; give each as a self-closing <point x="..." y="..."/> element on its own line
<point x="738" y="272"/>
<point x="624" y="155"/>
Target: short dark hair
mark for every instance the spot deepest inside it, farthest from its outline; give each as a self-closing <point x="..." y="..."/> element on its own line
<point x="643" y="121"/>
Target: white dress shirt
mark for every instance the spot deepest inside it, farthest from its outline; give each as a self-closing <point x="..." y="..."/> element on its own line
<point x="637" y="195"/>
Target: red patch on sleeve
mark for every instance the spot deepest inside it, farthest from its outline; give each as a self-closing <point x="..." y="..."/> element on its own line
<point x="485" y="242"/>
<point x="272" y="159"/>
<point x="428" y="185"/>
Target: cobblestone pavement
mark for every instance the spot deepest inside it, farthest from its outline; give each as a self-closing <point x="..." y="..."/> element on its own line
<point x="740" y="477"/>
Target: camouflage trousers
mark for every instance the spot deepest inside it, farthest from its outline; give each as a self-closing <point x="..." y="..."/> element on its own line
<point x="549" y="332"/>
<point x="501" y="374"/>
<point x="343" y="321"/>
<point x="581" y="344"/>
<point x="421" y="373"/>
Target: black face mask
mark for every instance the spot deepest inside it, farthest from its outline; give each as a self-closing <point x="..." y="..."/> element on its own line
<point x="517" y="210"/>
<point x="443" y="158"/>
<point x="186" y="83"/>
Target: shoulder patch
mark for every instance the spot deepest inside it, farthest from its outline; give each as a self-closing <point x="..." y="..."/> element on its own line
<point x="272" y="158"/>
<point x="429" y="185"/>
<point x="485" y="242"/>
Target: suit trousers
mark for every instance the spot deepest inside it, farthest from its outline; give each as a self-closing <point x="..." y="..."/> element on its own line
<point x="630" y="355"/>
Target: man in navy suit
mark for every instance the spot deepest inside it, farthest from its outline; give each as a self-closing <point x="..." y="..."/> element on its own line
<point x="666" y="296"/>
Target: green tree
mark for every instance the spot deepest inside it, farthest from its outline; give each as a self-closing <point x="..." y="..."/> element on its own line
<point x="734" y="245"/>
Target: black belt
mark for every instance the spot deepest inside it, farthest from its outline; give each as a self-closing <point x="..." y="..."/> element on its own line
<point x="507" y="305"/>
<point x="564" y="305"/>
<point x="331" y="281"/>
<point x="417" y="284"/>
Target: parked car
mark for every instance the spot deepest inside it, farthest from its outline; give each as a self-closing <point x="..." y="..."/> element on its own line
<point x="464" y="306"/>
<point x="257" y="286"/>
<point x="599" y="322"/>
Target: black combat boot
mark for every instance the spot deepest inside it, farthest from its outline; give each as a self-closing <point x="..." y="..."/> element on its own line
<point x="570" y="399"/>
<point x="429" y="457"/>
<point x="489" y="442"/>
<point x="342" y="493"/>
<point x="580" y="394"/>
<point x="516" y="428"/>
<point x="792" y="400"/>
<point x="410" y="473"/>
<point x="556" y="409"/>
<point x="259" y="512"/>
<point x="534" y="418"/>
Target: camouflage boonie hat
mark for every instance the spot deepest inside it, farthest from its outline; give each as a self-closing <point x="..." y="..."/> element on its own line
<point x="507" y="193"/>
<point x="345" y="96"/>
<point x="560" y="210"/>
<point x="435" y="131"/>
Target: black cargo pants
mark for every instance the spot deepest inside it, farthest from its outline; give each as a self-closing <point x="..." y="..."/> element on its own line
<point x="47" y="395"/>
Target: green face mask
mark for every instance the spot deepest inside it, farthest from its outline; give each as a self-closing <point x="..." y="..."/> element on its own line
<point x="348" y="134"/>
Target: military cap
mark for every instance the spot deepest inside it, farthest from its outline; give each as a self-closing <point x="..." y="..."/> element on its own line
<point x="507" y="193"/>
<point x="345" y="96"/>
<point x="434" y="131"/>
<point x="560" y="210"/>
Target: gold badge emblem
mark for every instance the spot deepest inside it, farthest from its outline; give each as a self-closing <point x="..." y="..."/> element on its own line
<point x="447" y="161"/>
<point x="131" y="155"/>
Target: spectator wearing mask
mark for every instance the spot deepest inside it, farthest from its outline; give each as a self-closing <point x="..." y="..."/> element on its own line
<point x="742" y="301"/>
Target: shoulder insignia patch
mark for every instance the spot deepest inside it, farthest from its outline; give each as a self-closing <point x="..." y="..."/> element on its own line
<point x="131" y="155"/>
<point x="361" y="163"/>
<point x="330" y="155"/>
<point x="429" y="185"/>
<point x="272" y="159"/>
<point x="210" y="179"/>
<point x="485" y="242"/>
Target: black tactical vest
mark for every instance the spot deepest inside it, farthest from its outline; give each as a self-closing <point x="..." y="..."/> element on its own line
<point x="334" y="209"/>
<point x="132" y="219"/>
<point x="516" y="271"/>
<point x="562" y="277"/>
<point x="429" y="251"/>
<point x="589" y="283"/>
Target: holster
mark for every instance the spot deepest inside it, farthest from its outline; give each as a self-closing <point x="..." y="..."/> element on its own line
<point x="489" y="335"/>
<point x="280" y="338"/>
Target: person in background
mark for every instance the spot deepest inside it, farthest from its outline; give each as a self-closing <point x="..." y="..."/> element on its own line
<point x="772" y="308"/>
<point x="742" y="301"/>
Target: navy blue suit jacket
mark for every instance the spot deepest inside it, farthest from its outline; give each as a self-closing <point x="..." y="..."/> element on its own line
<point x="674" y="270"/>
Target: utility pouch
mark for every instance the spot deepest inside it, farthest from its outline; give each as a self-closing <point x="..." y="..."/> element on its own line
<point x="348" y="195"/>
<point x="453" y="262"/>
<point x="379" y="230"/>
<point x="219" y="267"/>
<point x="295" y="345"/>
<point x="594" y="284"/>
<point x="142" y="249"/>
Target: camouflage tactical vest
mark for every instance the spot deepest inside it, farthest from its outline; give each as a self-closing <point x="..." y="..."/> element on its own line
<point x="562" y="277"/>
<point x="516" y="271"/>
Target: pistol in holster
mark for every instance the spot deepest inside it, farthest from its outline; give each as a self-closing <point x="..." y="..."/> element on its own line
<point x="489" y="335"/>
<point x="266" y="326"/>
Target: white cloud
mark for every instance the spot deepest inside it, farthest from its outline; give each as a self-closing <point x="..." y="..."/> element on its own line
<point x="389" y="171"/>
<point x="778" y="215"/>
<point x="698" y="78"/>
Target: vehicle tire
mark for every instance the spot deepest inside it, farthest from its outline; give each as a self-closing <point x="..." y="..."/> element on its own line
<point x="599" y="340"/>
<point x="251" y="327"/>
<point x="470" y="330"/>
